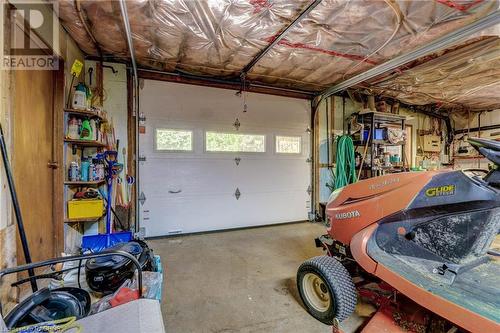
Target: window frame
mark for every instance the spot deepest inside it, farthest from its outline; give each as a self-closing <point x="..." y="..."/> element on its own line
<point x="289" y="136"/>
<point x="155" y="139"/>
<point x="205" y="132"/>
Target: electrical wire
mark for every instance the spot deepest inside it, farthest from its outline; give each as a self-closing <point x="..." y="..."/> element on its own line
<point x="399" y="17"/>
<point x="345" y="169"/>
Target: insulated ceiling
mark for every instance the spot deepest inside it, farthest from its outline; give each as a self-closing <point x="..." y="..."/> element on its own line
<point x="336" y="40"/>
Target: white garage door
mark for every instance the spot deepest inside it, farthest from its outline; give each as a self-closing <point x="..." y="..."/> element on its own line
<point x="201" y="174"/>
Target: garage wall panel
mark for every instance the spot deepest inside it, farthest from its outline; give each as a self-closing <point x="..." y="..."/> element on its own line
<point x="195" y="191"/>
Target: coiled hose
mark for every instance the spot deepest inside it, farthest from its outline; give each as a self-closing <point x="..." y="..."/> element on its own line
<point x="345" y="170"/>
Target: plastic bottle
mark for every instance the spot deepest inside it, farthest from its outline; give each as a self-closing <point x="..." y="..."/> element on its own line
<point x="73" y="172"/>
<point x="86" y="132"/>
<point x="85" y="171"/>
<point x="100" y="170"/>
<point x="73" y="129"/>
<point x="80" y="97"/>
<point x="79" y="127"/>
<point x="93" y="127"/>
<point x="92" y="175"/>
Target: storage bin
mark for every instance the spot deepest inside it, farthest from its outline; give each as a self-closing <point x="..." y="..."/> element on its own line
<point x="379" y="134"/>
<point x="85" y="209"/>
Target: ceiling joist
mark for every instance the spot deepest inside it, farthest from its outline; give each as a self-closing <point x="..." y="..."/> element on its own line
<point x="279" y="37"/>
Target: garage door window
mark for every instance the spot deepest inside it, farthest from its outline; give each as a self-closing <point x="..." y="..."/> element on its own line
<point x="174" y="140"/>
<point x="288" y="144"/>
<point x="231" y="142"/>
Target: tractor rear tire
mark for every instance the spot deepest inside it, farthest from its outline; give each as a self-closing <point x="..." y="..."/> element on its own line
<point x="327" y="290"/>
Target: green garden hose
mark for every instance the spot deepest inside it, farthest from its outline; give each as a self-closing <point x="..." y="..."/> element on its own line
<point x="345" y="170"/>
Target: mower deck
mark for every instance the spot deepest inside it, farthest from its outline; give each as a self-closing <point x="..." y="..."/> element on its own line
<point x="475" y="289"/>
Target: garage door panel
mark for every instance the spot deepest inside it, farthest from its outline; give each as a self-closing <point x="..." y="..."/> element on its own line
<point x="187" y="214"/>
<point x="188" y="176"/>
<point x="204" y="176"/>
<point x="194" y="191"/>
<point x="278" y="176"/>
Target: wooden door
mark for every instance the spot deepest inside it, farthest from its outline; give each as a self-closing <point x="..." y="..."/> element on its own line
<point x="33" y="139"/>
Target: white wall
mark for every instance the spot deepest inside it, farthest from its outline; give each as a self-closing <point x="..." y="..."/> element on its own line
<point x="115" y="86"/>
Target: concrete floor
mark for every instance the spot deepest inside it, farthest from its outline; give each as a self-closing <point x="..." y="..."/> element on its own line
<point x="238" y="281"/>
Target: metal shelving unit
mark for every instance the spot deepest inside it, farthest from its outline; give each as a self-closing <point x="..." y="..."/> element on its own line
<point x="374" y="121"/>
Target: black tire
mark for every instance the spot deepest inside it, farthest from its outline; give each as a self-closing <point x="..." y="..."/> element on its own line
<point x="336" y="280"/>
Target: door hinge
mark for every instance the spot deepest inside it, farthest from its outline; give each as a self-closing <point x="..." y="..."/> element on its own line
<point x="142" y="158"/>
<point x="141" y="234"/>
<point x="237" y="194"/>
<point x="309" y="189"/>
<point x="142" y="198"/>
<point x="53" y="164"/>
<point x="237" y="124"/>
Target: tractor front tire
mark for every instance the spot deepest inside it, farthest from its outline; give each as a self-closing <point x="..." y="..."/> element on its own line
<point x="326" y="288"/>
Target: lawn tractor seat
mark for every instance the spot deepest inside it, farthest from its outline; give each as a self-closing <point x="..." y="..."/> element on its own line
<point x="489" y="148"/>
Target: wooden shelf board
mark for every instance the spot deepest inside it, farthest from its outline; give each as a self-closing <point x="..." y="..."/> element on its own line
<point x="82" y="220"/>
<point x="81" y="183"/>
<point x="90" y="114"/>
<point x="468" y="157"/>
<point x="383" y="116"/>
<point x="378" y="142"/>
<point x="85" y="143"/>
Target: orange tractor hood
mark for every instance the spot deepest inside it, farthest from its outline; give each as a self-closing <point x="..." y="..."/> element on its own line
<point x="359" y="205"/>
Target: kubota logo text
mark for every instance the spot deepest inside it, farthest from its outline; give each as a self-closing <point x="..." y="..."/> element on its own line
<point x="347" y="215"/>
<point x="440" y="191"/>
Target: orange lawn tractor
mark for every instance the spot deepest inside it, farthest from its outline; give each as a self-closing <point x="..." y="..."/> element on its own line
<point x="417" y="246"/>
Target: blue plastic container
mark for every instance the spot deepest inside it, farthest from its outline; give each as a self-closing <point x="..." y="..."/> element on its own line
<point x="98" y="243"/>
<point x="84" y="171"/>
<point x="379" y="134"/>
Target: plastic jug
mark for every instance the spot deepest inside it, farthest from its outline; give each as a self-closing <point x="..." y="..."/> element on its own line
<point x="86" y="132"/>
<point x="80" y="97"/>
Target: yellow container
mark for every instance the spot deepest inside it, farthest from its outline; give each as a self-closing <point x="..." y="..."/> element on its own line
<point x="85" y="209"/>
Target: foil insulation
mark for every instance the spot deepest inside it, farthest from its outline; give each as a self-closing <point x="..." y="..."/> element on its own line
<point x="336" y="40"/>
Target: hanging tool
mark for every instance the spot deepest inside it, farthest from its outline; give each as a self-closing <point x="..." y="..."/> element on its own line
<point x="364" y="153"/>
<point x="97" y="243"/>
<point x="17" y="209"/>
<point x="125" y="174"/>
<point x="91" y="70"/>
<point x="76" y="69"/>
